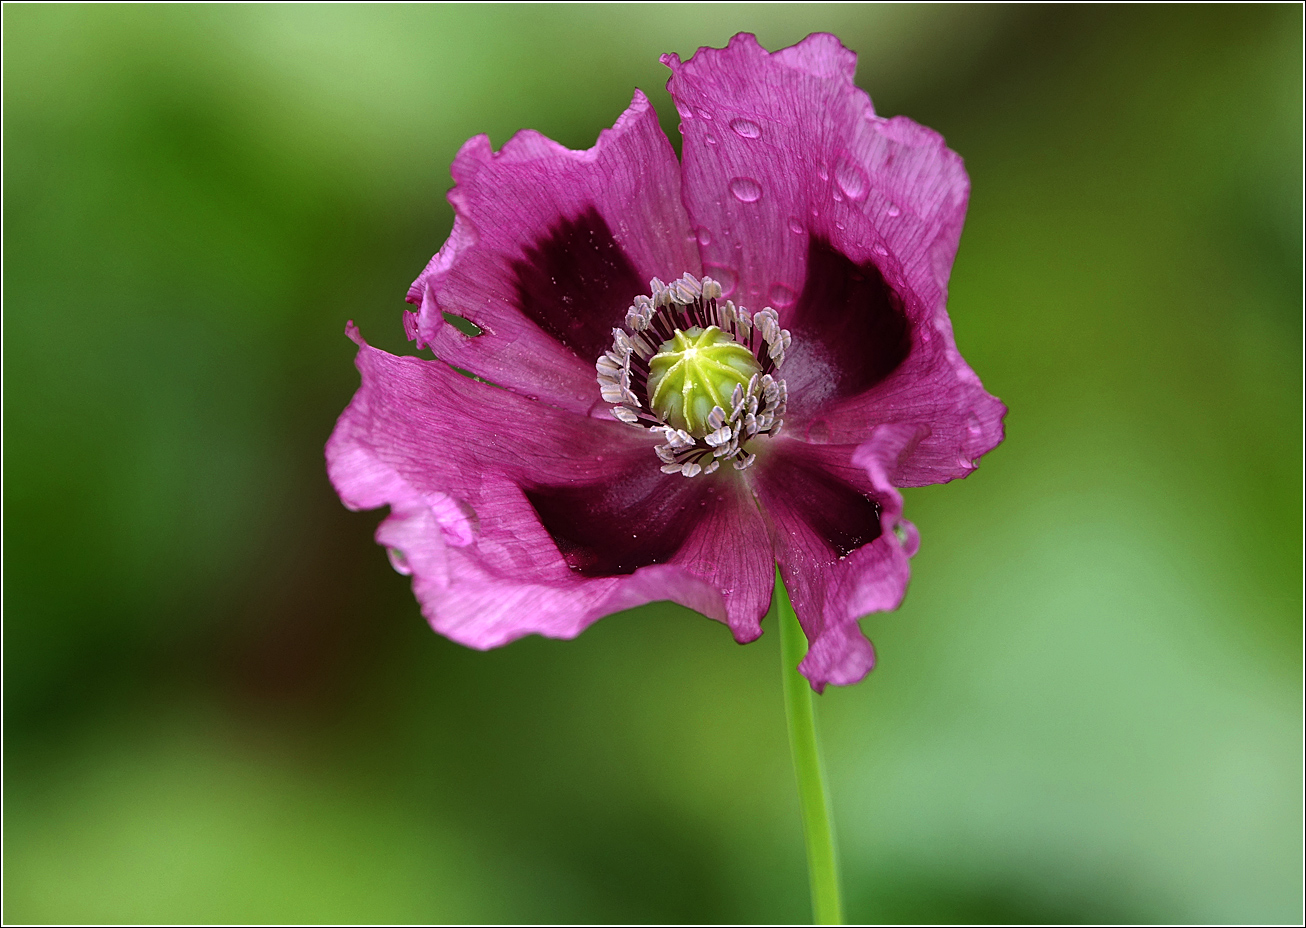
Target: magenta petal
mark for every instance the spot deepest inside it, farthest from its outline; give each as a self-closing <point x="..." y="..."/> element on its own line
<point x="935" y="394"/>
<point x="730" y="545"/>
<point x="548" y="249"/>
<point x="841" y="542"/>
<point x="458" y="462"/>
<point x="640" y="516"/>
<point x="782" y="146"/>
<point x="852" y="238"/>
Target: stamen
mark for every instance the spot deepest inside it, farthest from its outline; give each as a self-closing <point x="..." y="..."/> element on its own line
<point x="682" y="347"/>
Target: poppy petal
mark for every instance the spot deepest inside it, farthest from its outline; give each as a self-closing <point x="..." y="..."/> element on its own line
<point x="548" y="250"/>
<point x="510" y="523"/>
<point x="841" y="544"/>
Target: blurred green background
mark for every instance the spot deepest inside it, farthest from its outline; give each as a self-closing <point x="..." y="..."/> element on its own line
<point x="220" y="703"/>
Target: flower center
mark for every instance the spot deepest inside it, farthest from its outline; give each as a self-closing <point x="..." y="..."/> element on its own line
<point x="699" y="372"/>
<point x="695" y="372"/>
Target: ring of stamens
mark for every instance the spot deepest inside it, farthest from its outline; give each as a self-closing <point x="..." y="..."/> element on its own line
<point x="652" y="324"/>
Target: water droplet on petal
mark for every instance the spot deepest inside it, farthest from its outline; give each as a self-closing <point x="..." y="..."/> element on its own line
<point x="795" y="227"/>
<point x="746" y="128"/>
<point x="399" y="561"/>
<point x="745" y="189"/>
<point x="684" y="111"/>
<point x="880" y="250"/>
<point x="908" y="537"/>
<point x="839" y="226"/>
<point x="711" y="139"/>
<point x="838" y="197"/>
<point x="850" y="178"/>
<point x="782" y="296"/>
<point x="973" y="426"/>
<point x="893" y="210"/>
<point x="725" y="276"/>
<point x="704" y="236"/>
<point x="704" y="114"/>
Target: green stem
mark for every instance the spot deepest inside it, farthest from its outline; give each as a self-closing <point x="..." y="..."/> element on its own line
<point x="822" y="865"/>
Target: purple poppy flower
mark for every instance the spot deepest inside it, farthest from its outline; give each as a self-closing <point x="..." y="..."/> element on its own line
<point x="626" y="440"/>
